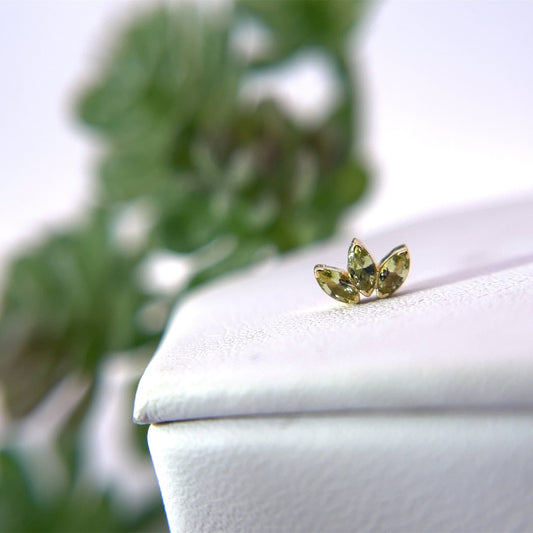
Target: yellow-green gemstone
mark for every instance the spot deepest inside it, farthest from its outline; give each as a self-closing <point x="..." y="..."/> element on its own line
<point x="337" y="284"/>
<point x="361" y="267"/>
<point x="393" y="271"/>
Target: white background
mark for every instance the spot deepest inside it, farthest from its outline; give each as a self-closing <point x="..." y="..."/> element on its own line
<point x="446" y="88"/>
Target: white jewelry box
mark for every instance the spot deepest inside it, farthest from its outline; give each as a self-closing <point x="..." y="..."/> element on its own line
<point x="275" y="409"/>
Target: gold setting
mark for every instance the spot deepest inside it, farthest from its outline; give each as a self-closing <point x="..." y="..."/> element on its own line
<point x="363" y="275"/>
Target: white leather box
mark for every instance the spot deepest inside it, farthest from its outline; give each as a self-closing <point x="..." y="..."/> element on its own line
<point x="275" y="409"/>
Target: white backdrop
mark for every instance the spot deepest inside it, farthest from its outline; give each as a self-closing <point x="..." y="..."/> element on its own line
<point x="449" y="88"/>
<point x="446" y="87"/>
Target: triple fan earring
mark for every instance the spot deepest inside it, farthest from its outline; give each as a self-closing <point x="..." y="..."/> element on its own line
<point x="363" y="276"/>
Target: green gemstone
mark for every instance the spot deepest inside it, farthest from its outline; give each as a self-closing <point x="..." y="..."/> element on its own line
<point x="393" y="271"/>
<point x="361" y="267"/>
<point x="337" y="284"/>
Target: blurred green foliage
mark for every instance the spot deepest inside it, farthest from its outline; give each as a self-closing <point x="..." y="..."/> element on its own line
<point x="72" y="511"/>
<point x="176" y="134"/>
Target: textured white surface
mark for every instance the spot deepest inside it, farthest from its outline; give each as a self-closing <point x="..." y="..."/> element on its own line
<point x="409" y="472"/>
<point x="411" y="414"/>
<point x="458" y="334"/>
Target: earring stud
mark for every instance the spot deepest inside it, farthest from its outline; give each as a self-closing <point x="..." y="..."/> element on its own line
<point x="363" y="275"/>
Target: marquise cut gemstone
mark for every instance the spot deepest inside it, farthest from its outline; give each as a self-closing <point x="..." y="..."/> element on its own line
<point x="393" y="271"/>
<point x="361" y="267"/>
<point x="337" y="284"/>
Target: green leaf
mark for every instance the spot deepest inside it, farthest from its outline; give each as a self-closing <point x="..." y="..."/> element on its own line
<point x="302" y="23"/>
<point x="67" y="304"/>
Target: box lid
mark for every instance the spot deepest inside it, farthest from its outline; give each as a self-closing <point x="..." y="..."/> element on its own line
<point x="457" y="335"/>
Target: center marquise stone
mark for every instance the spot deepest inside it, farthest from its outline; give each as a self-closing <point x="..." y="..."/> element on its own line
<point x="361" y="268"/>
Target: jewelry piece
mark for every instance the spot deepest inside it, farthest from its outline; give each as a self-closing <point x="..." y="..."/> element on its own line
<point x="363" y="276"/>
